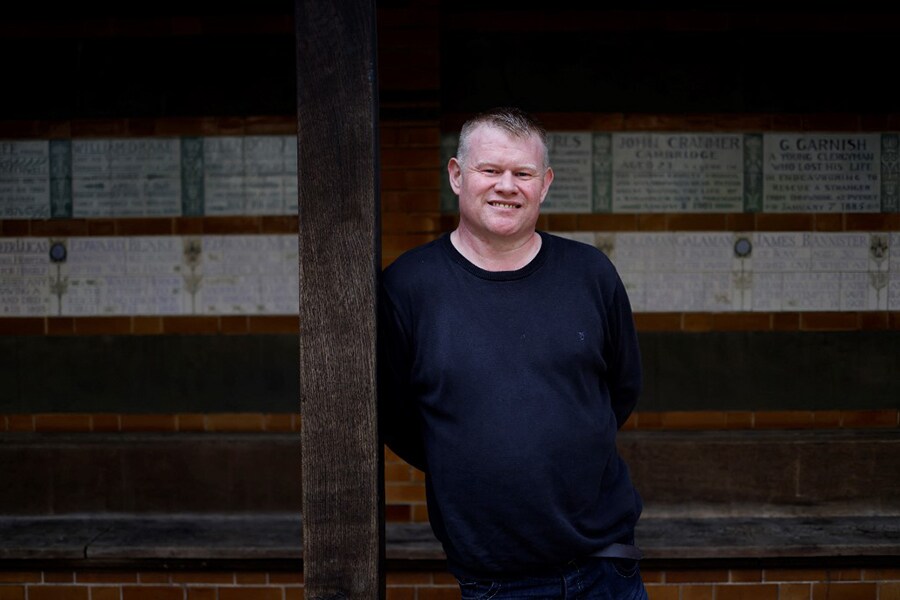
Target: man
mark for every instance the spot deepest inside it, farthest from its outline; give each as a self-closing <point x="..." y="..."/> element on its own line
<point x="508" y="362"/>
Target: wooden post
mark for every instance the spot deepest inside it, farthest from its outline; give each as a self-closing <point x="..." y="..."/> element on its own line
<point x="337" y="112"/>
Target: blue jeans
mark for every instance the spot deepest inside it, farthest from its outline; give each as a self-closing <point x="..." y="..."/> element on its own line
<point x="587" y="579"/>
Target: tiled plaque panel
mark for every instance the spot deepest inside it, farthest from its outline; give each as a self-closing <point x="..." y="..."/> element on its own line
<point x="148" y="177"/>
<point x="24" y="179"/>
<point x="672" y="172"/>
<point x="595" y="172"/>
<point x="257" y="274"/>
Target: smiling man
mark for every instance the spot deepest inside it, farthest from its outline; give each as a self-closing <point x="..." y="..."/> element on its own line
<point x="508" y="361"/>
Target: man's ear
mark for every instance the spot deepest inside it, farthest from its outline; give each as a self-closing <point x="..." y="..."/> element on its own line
<point x="548" y="179"/>
<point x="454" y="170"/>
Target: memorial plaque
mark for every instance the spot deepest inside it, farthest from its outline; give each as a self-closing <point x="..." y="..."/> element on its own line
<point x="24" y="179"/>
<point x="126" y="177"/>
<point x="780" y="252"/>
<point x="822" y="172"/>
<point x="704" y="252"/>
<point x="890" y="172"/>
<point x="223" y="175"/>
<point x="571" y="159"/>
<point x="266" y="170"/>
<point x="811" y="291"/>
<point x="291" y="194"/>
<point x="838" y="252"/>
<point x="24" y="273"/>
<point x="240" y="273"/>
<point x="85" y="276"/>
<point x="254" y="175"/>
<point x="894" y="278"/>
<point x="602" y="172"/>
<point x="192" y="192"/>
<point x="678" y="172"/>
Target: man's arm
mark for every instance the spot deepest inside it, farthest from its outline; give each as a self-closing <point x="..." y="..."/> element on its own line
<point x="398" y="418"/>
<point x="623" y="357"/>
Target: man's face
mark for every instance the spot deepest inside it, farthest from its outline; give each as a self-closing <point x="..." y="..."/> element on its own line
<point x="501" y="184"/>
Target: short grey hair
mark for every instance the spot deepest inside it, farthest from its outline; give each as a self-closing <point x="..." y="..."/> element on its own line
<point x="513" y="121"/>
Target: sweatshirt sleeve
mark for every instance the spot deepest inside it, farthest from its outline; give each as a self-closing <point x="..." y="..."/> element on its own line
<point x="623" y="357"/>
<point x="398" y="417"/>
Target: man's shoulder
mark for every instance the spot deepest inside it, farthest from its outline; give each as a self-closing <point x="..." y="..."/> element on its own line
<point x="413" y="264"/>
<point x="578" y="253"/>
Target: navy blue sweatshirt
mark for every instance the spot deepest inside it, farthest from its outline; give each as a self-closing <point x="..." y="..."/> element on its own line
<point x="507" y="389"/>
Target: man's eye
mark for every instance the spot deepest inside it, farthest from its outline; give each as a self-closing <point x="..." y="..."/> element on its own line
<point x="525" y="174"/>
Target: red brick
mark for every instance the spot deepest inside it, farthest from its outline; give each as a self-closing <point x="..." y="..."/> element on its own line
<point x="278" y="422"/>
<point x="783" y="419"/>
<point x="12" y="592"/>
<point x="400" y="593"/>
<point x="59" y="592"/>
<point x="20" y="576"/>
<point x="249" y="593"/>
<point x="150" y="422"/>
<point x="19" y="423"/>
<point x="869" y="418"/>
<point x="62" y="422"/>
<point x="105" y="577"/>
<point x="274" y="324"/>
<point x="106" y="593"/>
<point x="696" y="576"/>
<point x="60" y="326"/>
<point x="145" y="226"/>
<point x="242" y="578"/>
<point x="679" y="420"/>
<point x="105" y="422"/>
<point x="889" y="591"/>
<point x="843" y="591"/>
<point x="152" y="592"/>
<point x="696" y="592"/>
<point x="191" y="422"/>
<point x="234" y="422"/>
<point x="829" y="321"/>
<point x="658" y="321"/>
<point x="103" y="325"/>
<point x="146" y="325"/>
<point x="663" y="592"/>
<point x="23" y="326"/>
<point x="747" y="592"/>
<point x="794" y="591"/>
<point x="200" y="593"/>
<point x="225" y="577"/>
<point x="744" y="321"/>
<point x="154" y="577"/>
<point x="438" y="593"/>
<point x="188" y="325"/>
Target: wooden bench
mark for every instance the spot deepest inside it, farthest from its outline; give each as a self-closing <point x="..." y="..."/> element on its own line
<point x="152" y="500"/>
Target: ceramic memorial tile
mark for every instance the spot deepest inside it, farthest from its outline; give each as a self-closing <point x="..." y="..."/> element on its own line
<point x="780" y="252"/>
<point x="838" y="251"/>
<point x="24" y="273"/>
<point x="138" y="177"/>
<point x="570" y="157"/>
<point x="811" y="291"/>
<point x="24" y="179"/>
<point x="822" y="172"/>
<point x="678" y="172"/>
<point x="223" y="175"/>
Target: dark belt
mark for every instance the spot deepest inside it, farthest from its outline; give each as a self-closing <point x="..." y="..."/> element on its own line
<point x="619" y="551"/>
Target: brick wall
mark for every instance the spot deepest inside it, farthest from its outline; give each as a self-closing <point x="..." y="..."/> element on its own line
<point x="811" y="583"/>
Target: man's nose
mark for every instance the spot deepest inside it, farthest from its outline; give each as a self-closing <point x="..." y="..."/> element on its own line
<point x="506" y="182"/>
